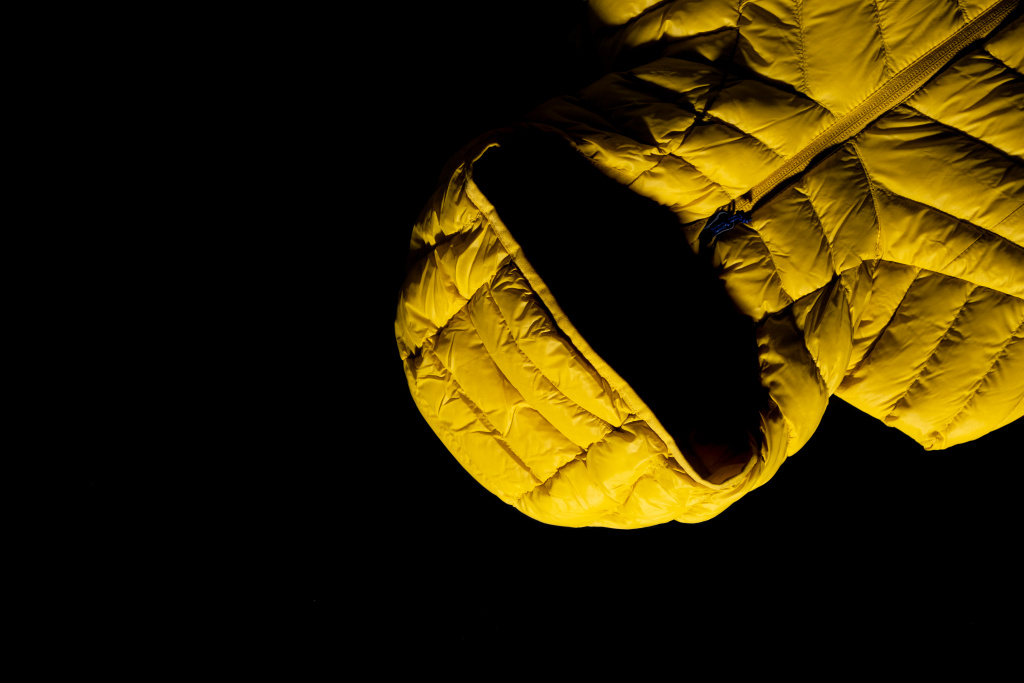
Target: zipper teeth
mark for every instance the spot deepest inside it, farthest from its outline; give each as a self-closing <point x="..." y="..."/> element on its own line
<point x="897" y="89"/>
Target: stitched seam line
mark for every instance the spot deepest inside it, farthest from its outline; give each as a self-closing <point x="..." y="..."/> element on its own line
<point x="736" y="43"/>
<point x="1012" y="410"/>
<point x="482" y="417"/>
<point x="689" y="163"/>
<point x="1010" y="215"/>
<point x="874" y="200"/>
<point x="713" y="93"/>
<point x="643" y="13"/>
<point x="803" y="335"/>
<point x="895" y="312"/>
<point x="960" y="255"/>
<point x="466" y="462"/>
<point x="572" y="350"/>
<point x="431" y="338"/>
<point x="581" y="457"/>
<point x="957" y="131"/>
<point x="1008" y="66"/>
<point x="821" y="375"/>
<point x="582" y="361"/>
<point x="590" y="108"/>
<point x="615" y="128"/>
<point x="634" y="78"/>
<point x="656" y="460"/>
<point x="832" y="264"/>
<point x="881" y="37"/>
<point x="632" y="488"/>
<point x="771" y="258"/>
<point x="848" y="293"/>
<point x="586" y="364"/>
<point x="688" y="37"/>
<point x="821" y="229"/>
<point x="800" y="49"/>
<point x="501" y="316"/>
<point x="672" y="154"/>
<point x="746" y="134"/>
<point x="928" y="358"/>
<point x="685" y="133"/>
<point x="629" y="494"/>
<point x="980" y="229"/>
<point x="981" y="382"/>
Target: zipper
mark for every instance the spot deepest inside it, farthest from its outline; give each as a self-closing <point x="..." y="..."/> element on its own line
<point x="897" y="89"/>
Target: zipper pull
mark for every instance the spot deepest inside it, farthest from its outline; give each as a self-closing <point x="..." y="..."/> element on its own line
<point x="723" y="220"/>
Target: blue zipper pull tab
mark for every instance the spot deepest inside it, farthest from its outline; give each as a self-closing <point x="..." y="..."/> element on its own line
<point x="723" y="220"/>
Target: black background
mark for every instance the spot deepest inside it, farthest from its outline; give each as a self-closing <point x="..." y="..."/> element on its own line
<point x="295" y="472"/>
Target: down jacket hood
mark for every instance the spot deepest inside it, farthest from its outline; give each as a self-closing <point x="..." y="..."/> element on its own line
<point x="825" y="198"/>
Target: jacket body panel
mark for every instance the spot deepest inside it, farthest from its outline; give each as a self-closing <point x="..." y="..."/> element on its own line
<point x="887" y="274"/>
<point x="479" y="397"/>
<point x="802" y="44"/>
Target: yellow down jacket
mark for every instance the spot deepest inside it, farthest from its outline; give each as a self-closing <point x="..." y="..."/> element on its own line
<point x="851" y="172"/>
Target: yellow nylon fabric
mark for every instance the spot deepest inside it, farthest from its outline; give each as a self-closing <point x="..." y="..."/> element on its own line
<point x="890" y="273"/>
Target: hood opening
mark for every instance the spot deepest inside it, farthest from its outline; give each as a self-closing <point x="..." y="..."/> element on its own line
<point x="619" y="266"/>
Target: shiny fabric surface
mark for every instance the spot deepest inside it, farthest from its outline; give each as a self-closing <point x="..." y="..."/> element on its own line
<point x="890" y="273"/>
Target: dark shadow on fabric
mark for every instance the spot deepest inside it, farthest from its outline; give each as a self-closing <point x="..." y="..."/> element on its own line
<point x="619" y="266"/>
